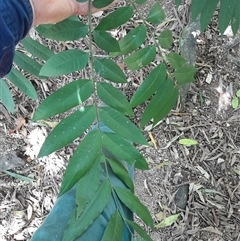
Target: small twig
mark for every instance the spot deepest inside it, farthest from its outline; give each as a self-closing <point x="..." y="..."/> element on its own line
<point x="5" y="113"/>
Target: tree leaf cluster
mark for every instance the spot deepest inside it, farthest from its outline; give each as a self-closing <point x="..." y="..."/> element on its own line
<point x="90" y="163"/>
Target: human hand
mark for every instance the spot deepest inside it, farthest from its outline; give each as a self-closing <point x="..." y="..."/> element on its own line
<point x="53" y="11"/>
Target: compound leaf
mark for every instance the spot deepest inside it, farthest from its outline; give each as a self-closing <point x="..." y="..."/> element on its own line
<point x="149" y="85"/>
<point x="133" y="203"/>
<point x="64" y="62"/>
<point x="114" y="98"/>
<point x="65" y="98"/>
<point x="115" y="19"/>
<point x="109" y="70"/>
<point x="68" y="130"/>
<point x="121" y="125"/>
<point x="140" y="58"/>
<point x="82" y="160"/>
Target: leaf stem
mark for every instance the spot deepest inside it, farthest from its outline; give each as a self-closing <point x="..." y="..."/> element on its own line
<point x="95" y="96"/>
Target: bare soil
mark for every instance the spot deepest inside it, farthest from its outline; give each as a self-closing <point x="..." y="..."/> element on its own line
<point x="200" y="183"/>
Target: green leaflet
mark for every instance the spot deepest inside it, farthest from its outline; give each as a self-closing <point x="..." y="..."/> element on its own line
<point x="28" y="64"/>
<point x="123" y="150"/>
<point x="163" y="110"/>
<point x="82" y="160"/>
<point x="76" y="227"/>
<point x="139" y="230"/>
<point x="105" y="41"/>
<point x="121" y="125"/>
<point x="161" y="103"/>
<point x="87" y="187"/>
<point x="226" y="13"/>
<point x="132" y="40"/>
<point x="236" y="18"/>
<point x="109" y="70"/>
<point x="67" y="30"/>
<point x="156" y="13"/>
<point x="140" y="58"/>
<point x="175" y="60"/>
<point x="22" y="83"/>
<point x="149" y="85"/>
<point x="166" y="39"/>
<point x="140" y="1"/>
<point x="64" y="62"/>
<point x="101" y="3"/>
<point x="115" y="19"/>
<point x="133" y="203"/>
<point x="197" y="7"/>
<point x="121" y="172"/>
<point x="114" y="228"/>
<point x="36" y="49"/>
<point x="185" y="74"/>
<point x="65" y="98"/>
<point x="178" y="2"/>
<point x="114" y="98"/>
<point x="68" y="130"/>
<point x="6" y="96"/>
<point x="207" y="14"/>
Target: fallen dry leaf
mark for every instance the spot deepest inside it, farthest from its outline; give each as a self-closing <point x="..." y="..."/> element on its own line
<point x="121" y="65"/>
<point x="20" y="121"/>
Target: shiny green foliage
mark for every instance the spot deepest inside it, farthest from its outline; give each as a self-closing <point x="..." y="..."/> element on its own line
<point x="105" y="41"/>
<point x="69" y="29"/>
<point x="156" y="13"/>
<point x="27" y="63"/>
<point x="229" y="13"/>
<point x="64" y="63"/>
<point x="109" y="149"/>
<point x="132" y="40"/>
<point x="6" y="96"/>
<point x="36" y="49"/>
<point x="22" y="83"/>
<point x="165" y="39"/>
<point x="115" y="19"/>
<point x="140" y="58"/>
<point x="109" y="70"/>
